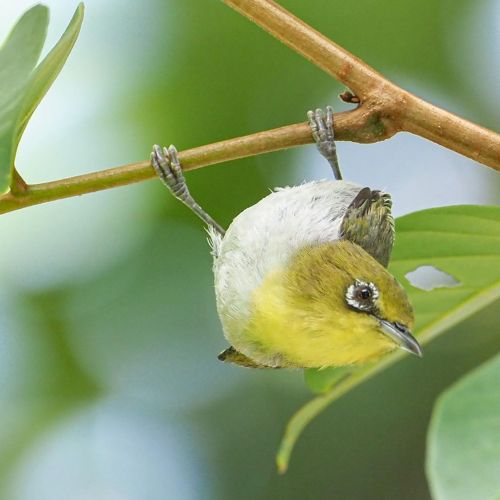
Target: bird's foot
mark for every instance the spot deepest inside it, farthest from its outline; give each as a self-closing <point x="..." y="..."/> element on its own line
<point x="168" y="167"/>
<point x="323" y="133"/>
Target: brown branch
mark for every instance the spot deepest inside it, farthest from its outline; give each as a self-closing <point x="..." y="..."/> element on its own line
<point x="385" y="109"/>
<point x="398" y="109"/>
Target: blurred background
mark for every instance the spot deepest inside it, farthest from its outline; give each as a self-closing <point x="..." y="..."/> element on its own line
<point x="109" y="384"/>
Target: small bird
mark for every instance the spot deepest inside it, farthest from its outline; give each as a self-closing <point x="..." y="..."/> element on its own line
<point x="300" y="277"/>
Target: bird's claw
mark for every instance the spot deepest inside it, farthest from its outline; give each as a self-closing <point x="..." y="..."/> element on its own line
<point x="322" y="130"/>
<point x="167" y="165"/>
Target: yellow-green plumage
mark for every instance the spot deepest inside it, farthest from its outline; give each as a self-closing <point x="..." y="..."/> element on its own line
<point x="300" y="280"/>
<point x="299" y="314"/>
<point x="300" y="277"/>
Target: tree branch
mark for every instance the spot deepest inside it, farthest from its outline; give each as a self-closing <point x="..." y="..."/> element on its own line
<point x="398" y="109"/>
<point x="352" y="125"/>
<point x="309" y="43"/>
<point x="385" y="110"/>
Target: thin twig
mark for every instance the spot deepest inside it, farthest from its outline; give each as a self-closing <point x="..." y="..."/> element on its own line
<point x="352" y="125"/>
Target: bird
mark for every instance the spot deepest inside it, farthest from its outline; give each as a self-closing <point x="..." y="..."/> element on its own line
<point x="301" y="277"/>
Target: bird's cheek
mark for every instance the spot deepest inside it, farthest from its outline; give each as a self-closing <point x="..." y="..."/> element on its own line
<point x="367" y="337"/>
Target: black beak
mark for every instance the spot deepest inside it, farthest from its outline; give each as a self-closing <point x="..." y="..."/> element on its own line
<point x="402" y="336"/>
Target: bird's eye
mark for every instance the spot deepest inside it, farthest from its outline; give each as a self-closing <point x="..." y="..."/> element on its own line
<point x="361" y="295"/>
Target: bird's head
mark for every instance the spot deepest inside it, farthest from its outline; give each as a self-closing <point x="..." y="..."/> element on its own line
<point x="347" y="293"/>
<point x="386" y="305"/>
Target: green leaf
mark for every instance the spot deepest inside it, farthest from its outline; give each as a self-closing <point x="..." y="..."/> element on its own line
<point x="463" y="241"/>
<point x="47" y="71"/>
<point x="463" y="452"/>
<point x="22" y="86"/>
<point x="18" y="56"/>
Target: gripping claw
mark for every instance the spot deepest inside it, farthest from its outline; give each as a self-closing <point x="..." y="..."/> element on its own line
<point x="323" y="133"/>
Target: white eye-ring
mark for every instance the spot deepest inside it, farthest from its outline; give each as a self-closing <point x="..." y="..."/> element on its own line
<point x="362" y="295"/>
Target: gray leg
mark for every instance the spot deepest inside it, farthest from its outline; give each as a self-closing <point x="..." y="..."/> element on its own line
<point x="322" y="131"/>
<point x="167" y="166"/>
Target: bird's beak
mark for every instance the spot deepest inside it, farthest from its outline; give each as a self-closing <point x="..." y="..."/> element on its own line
<point x="402" y="336"/>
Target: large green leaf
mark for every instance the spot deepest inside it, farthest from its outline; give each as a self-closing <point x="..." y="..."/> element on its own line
<point x="22" y="86"/>
<point x="463" y="452"/>
<point x="463" y="241"/>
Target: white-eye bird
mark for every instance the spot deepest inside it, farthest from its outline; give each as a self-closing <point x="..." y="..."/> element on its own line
<point x="300" y="277"/>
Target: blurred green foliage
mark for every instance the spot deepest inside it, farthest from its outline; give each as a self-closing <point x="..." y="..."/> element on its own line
<point x="110" y="383"/>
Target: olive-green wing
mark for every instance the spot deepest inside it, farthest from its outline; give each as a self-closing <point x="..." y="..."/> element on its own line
<point x="368" y="222"/>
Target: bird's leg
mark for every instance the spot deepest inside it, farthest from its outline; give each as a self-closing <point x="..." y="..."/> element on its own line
<point x="167" y="165"/>
<point x="322" y="131"/>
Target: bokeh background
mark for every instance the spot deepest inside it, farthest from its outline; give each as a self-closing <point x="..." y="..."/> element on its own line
<point x="109" y="384"/>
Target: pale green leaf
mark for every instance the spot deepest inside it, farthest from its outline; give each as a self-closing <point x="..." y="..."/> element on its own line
<point x="18" y="56"/>
<point x="22" y="86"/>
<point x="46" y="72"/>
<point x="463" y="452"/>
<point x="463" y="241"/>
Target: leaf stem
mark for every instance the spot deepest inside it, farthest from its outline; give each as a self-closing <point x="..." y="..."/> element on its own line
<point x="316" y="405"/>
<point x="18" y="185"/>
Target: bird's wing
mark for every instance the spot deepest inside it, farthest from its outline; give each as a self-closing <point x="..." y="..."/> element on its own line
<point x="368" y="222"/>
